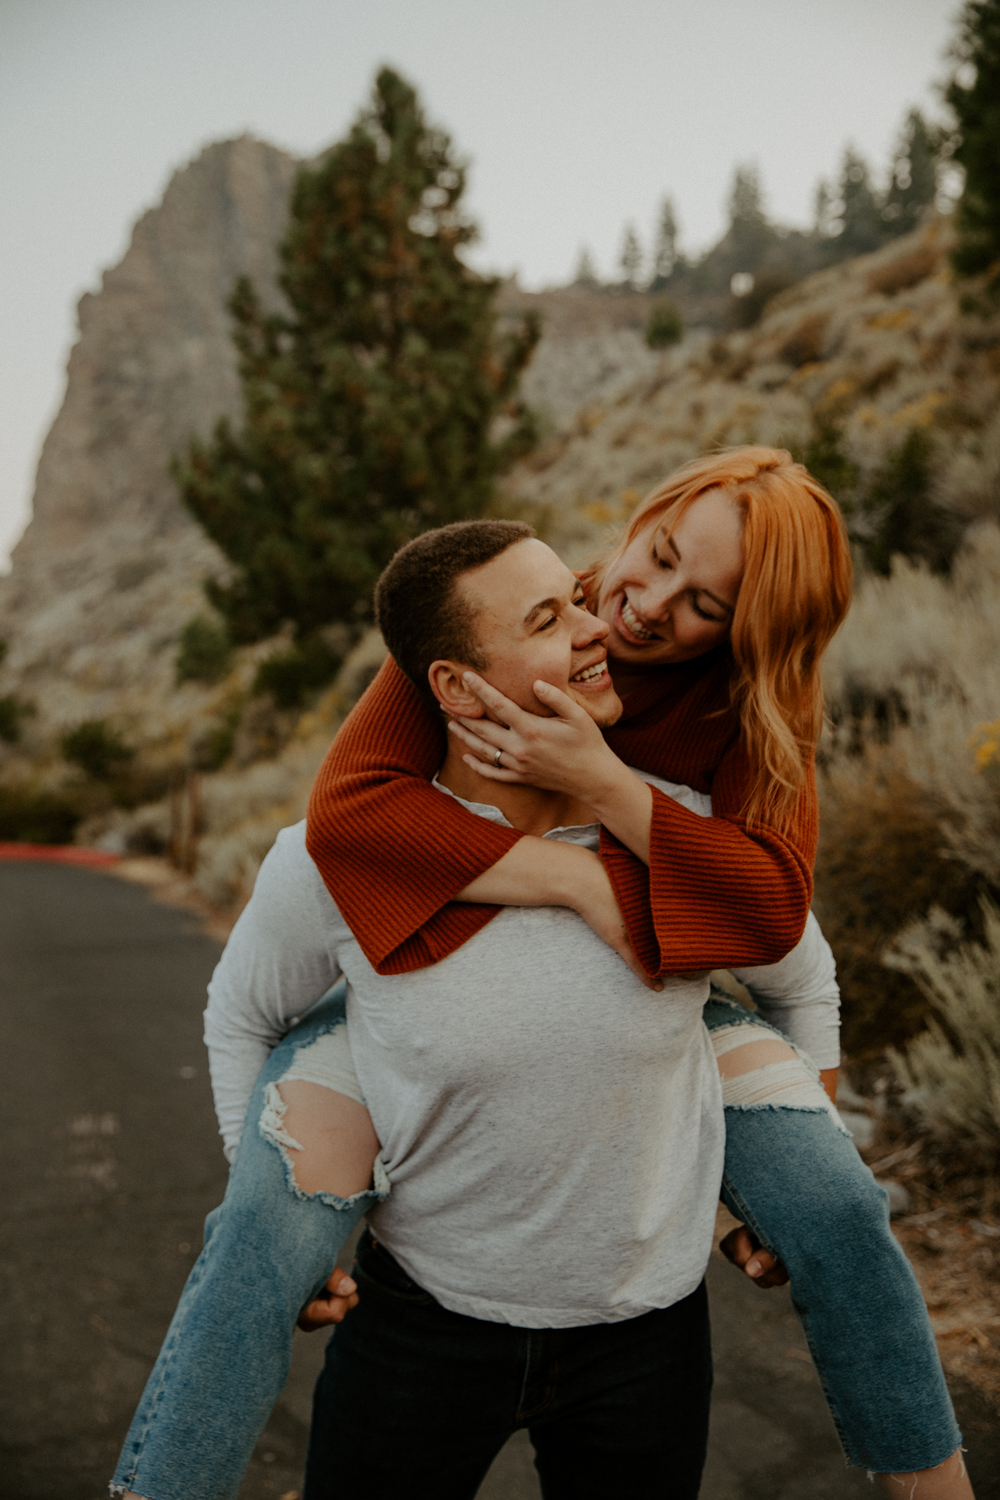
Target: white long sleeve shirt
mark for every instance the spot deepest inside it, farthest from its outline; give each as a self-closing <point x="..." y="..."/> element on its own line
<point x="547" y="1122"/>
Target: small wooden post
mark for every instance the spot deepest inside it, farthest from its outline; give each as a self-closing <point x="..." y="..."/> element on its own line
<point x="175" y="849"/>
<point x="193" y="820"/>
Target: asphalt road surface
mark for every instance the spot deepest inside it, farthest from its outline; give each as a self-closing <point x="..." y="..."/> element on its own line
<point x="110" y="1162"/>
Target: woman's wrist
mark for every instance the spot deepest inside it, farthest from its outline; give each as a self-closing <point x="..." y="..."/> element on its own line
<point x="623" y="804"/>
<point x="536" y="872"/>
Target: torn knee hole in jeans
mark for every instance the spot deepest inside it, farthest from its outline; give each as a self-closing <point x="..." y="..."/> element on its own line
<point x="335" y="1170"/>
<point x="317" y="1111"/>
<point x="761" y="1071"/>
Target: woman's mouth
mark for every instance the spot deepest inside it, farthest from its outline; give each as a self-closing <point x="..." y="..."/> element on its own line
<point x="633" y="627"/>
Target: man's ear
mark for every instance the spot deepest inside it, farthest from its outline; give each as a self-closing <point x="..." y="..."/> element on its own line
<point x="445" y="678"/>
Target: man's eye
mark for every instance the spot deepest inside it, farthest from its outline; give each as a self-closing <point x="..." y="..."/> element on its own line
<point x="547" y="623"/>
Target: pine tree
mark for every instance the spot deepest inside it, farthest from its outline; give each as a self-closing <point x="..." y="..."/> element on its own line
<point x="665" y="246"/>
<point x="369" y="403"/>
<point x="586" y="272"/>
<point x="913" y="175"/>
<point x="631" y="257"/>
<point x="859" y="208"/>
<point x="974" y="96"/>
<point x="750" y="234"/>
<point x="825" y="222"/>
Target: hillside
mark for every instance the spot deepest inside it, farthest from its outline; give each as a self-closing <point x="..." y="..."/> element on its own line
<point x="110" y="567"/>
<point x="879" y="345"/>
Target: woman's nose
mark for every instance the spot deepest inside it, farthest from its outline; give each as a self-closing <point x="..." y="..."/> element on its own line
<point x="657" y="598"/>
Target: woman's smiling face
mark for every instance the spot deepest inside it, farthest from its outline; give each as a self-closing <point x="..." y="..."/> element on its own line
<point x="672" y="600"/>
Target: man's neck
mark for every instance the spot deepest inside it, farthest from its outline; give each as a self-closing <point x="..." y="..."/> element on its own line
<point x="526" y="808"/>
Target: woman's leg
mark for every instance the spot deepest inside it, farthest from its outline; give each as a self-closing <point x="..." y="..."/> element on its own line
<point x="794" y="1176"/>
<point x="269" y="1248"/>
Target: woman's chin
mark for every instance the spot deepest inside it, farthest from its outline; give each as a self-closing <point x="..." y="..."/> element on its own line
<point x="632" y="654"/>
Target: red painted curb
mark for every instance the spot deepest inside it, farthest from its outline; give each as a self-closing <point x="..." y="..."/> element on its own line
<point x="67" y="854"/>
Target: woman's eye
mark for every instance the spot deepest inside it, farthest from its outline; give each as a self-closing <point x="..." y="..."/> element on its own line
<point x="715" y="619"/>
<point x="660" y="560"/>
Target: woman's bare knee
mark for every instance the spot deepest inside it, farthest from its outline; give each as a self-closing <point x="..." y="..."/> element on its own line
<point x="336" y="1144"/>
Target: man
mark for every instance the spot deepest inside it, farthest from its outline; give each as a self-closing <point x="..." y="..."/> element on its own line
<point x="551" y="1128"/>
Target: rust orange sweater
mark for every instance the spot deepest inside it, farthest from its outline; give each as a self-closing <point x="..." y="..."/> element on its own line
<point x="393" y="852"/>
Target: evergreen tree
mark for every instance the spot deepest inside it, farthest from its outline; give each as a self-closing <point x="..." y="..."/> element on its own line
<point x="665" y="326"/>
<point x="750" y="235"/>
<point x="825" y="221"/>
<point x="586" y="272"/>
<point x="631" y="257"/>
<point x="370" y="403"/>
<point x="913" y="175"/>
<point x="665" y="245"/>
<point x="859" y="208"/>
<point x="900" y="513"/>
<point x="974" y="96"/>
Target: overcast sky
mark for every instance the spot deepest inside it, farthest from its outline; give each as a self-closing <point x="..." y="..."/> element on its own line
<point x="576" y="115"/>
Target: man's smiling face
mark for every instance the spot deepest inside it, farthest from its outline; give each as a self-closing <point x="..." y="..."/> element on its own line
<point x="532" y="622"/>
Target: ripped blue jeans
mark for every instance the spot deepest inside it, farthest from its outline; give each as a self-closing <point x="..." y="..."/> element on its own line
<point x="792" y="1174"/>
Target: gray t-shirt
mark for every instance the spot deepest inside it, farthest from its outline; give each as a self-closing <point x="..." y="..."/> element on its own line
<point x="552" y="1129"/>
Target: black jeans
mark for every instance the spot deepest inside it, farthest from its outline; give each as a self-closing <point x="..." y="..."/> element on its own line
<point x="415" y="1401"/>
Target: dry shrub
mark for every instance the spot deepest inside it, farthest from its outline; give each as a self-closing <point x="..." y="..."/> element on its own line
<point x="908" y="820"/>
<point x="880" y="865"/>
<point x="805" y="344"/>
<point x="931" y="646"/>
<point x="950" y="1075"/>
<point x="969" y="482"/>
<point x="903" y="271"/>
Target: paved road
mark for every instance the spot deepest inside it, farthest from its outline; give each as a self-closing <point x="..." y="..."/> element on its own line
<point x="110" y="1161"/>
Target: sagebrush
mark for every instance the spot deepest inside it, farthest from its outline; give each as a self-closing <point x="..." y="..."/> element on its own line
<point x="950" y="1074"/>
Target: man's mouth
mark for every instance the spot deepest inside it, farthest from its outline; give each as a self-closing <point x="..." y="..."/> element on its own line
<point x="592" y="675"/>
<point x="632" y="624"/>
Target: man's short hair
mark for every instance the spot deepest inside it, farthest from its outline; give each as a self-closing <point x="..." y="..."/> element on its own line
<point x="421" y="615"/>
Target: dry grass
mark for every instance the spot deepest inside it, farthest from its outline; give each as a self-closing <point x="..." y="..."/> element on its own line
<point x="920" y="657"/>
<point x="243" y="807"/>
<point x="908" y="818"/>
<point x="950" y="1075"/>
<point x="880" y="866"/>
<point x="904" y="271"/>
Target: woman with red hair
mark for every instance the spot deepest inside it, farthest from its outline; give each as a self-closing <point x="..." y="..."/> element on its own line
<point x="721" y="595"/>
<point x="720" y="599"/>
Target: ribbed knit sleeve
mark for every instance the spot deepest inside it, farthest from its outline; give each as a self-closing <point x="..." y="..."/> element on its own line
<point x="716" y="895"/>
<point x="392" y="851"/>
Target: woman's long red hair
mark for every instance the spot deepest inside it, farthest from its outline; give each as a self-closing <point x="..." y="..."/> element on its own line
<point x="795" y="592"/>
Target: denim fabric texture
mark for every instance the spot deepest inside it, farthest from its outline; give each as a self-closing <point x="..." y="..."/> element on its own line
<point x="267" y="1252"/>
<point x="791" y="1174"/>
<point x="417" y="1400"/>
<point x="797" y="1181"/>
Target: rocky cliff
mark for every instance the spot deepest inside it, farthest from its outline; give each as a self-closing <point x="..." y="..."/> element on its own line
<point x="110" y="565"/>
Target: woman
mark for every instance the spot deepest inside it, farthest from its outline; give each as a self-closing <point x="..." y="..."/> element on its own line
<point x="721" y="598"/>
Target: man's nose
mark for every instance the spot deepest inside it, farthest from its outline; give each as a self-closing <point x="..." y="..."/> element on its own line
<point x="590" y="630"/>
